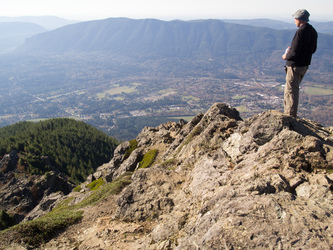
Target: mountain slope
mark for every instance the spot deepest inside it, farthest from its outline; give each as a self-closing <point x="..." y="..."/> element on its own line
<point x="174" y="38"/>
<point x="13" y="34"/>
<point x="72" y="147"/>
<point x="214" y="182"/>
<point x="263" y="22"/>
<point x="38" y="160"/>
<point x="321" y="27"/>
<point x="148" y="39"/>
<point x="48" y="22"/>
<point x="152" y="37"/>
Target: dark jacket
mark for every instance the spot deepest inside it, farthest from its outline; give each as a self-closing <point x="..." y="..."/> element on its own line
<point x="303" y="45"/>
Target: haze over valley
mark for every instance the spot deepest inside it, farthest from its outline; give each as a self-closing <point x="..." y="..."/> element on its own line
<point x="121" y="74"/>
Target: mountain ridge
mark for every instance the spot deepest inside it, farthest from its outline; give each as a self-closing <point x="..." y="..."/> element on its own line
<point x="13" y="34"/>
<point x="217" y="181"/>
<point x="146" y="39"/>
<point x="151" y="35"/>
<point x="251" y="23"/>
<point x="48" y="22"/>
<point x="321" y="27"/>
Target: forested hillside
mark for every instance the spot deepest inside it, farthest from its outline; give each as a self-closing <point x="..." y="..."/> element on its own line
<point x="66" y="145"/>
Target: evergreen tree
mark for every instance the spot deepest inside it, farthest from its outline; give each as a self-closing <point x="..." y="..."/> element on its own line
<point x="73" y="147"/>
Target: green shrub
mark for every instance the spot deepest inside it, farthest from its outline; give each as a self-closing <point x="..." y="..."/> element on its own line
<point x="62" y="206"/>
<point x="36" y="232"/>
<point x="148" y="159"/>
<point x="96" y="184"/>
<point x="133" y="146"/>
<point x="114" y="187"/>
<point x="77" y="188"/>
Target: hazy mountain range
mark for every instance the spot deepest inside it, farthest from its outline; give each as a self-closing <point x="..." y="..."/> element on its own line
<point x="155" y="38"/>
<point x="12" y="36"/>
<point x="160" y="38"/>
<point x="85" y="61"/>
<point x="173" y="38"/>
<point x="322" y="27"/>
<point x="14" y="30"/>
<point x="47" y="22"/>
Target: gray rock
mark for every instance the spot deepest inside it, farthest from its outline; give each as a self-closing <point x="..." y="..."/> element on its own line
<point x="260" y="183"/>
<point x="219" y="182"/>
<point x="23" y="196"/>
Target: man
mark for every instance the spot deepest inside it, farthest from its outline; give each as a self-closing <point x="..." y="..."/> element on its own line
<point x="298" y="57"/>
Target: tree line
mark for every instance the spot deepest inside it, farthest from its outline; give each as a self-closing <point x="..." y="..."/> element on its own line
<point x="72" y="147"/>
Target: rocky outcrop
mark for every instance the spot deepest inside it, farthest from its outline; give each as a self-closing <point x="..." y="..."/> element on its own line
<point x="25" y="194"/>
<point x="159" y="137"/>
<point x="227" y="183"/>
<point x="219" y="182"/>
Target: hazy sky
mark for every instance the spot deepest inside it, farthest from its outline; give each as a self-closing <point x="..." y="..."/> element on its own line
<point x="320" y="10"/>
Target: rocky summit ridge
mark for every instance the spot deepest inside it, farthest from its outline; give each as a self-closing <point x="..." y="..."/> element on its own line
<point x="216" y="182"/>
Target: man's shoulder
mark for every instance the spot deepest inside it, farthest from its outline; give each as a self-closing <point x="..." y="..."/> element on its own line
<point x="313" y="30"/>
<point x="307" y="28"/>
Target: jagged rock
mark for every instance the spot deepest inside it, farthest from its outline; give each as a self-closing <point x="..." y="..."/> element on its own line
<point x="8" y="162"/>
<point x="219" y="182"/>
<point x="150" y="198"/>
<point x="330" y="129"/>
<point x="250" y="183"/>
<point x="21" y="196"/>
<point x="113" y="165"/>
<point x="161" y="136"/>
<point x="182" y="134"/>
<point x="44" y="206"/>
<point x="208" y="129"/>
<point x="129" y="164"/>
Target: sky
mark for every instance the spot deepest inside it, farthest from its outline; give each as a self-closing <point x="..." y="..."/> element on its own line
<point x="320" y="10"/>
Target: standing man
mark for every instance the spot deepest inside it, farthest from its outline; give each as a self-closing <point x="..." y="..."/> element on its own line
<point x="298" y="57"/>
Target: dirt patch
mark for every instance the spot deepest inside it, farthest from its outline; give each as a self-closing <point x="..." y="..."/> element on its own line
<point x="97" y="230"/>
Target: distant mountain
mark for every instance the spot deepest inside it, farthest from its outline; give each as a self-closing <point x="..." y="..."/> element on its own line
<point x="13" y="34"/>
<point x="325" y="27"/>
<point x="322" y="27"/>
<point x="262" y="22"/>
<point x="159" y="38"/>
<point x="156" y="38"/>
<point x="61" y="72"/>
<point x="48" y="22"/>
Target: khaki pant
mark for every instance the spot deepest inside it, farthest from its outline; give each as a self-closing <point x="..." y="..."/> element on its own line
<point x="291" y="90"/>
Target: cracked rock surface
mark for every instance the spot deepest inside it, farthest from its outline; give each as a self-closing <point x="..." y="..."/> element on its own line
<point x="217" y="182"/>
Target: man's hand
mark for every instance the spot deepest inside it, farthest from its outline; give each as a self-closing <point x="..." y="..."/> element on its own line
<point x="284" y="57"/>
